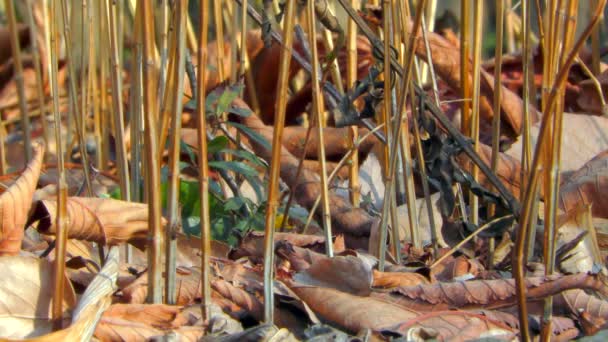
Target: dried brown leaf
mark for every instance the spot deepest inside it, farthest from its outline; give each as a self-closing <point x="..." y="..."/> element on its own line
<point x="454" y="326"/>
<point x="588" y="185"/>
<point x="15" y="203"/>
<point x="26" y="292"/>
<point x="350" y="312"/>
<point x="389" y="280"/>
<point x="102" y="220"/>
<point x="488" y="294"/>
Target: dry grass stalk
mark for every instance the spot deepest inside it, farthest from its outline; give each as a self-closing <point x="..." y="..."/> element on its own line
<point x="500" y="15"/>
<point x="465" y="33"/>
<point x="16" y="50"/>
<point x="37" y="69"/>
<point x="61" y="239"/>
<point x="353" y="132"/>
<point x="536" y="167"/>
<point x="203" y="167"/>
<point x="174" y="155"/>
<point x="409" y="60"/>
<point x="474" y="128"/>
<point x="273" y="198"/>
<point x="76" y="113"/>
<point x="151" y="155"/>
<point x="319" y="111"/>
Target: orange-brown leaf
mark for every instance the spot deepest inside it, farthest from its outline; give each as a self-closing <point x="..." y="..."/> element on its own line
<point x="588" y="185"/>
<point x="397" y="279"/>
<point x="102" y="220"/>
<point x="15" y="203"/>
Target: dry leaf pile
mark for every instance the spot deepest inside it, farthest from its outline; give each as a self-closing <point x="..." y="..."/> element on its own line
<point x="460" y="292"/>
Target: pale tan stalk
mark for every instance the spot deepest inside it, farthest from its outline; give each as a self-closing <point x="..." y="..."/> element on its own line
<point x="318" y="110"/>
<point x="61" y="236"/>
<point x="76" y="113"/>
<point x="37" y="69"/>
<point x="273" y="187"/>
<point x="152" y="161"/>
<point x="465" y="33"/>
<point x="174" y="156"/>
<point x="16" y="50"/>
<point x="353" y="131"/>
<point x="536" y="167"/>
<point x="478" y="22"/>
<point x="397" y="132"/>
<point x="203" y="169"/>
<point x="119" y="131"/>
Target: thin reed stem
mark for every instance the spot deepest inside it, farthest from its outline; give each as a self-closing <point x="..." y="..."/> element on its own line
<point x="203" y="168"/>
<point x="174" y="156"/>
<point x="16" y="50"/>
<point x="474" y="129"/>
<point x="318" y="110"/>
<point x="353" y="131"/>
<point x="152" y="161"/>
<point x="465" y="34"/>
<point x="397" y="132"/>
<point x="61" y="236"/>
<point x="273" y="198"/>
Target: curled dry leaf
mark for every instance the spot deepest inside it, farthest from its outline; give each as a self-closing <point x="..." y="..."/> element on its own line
<point x="351" y="312"/>
<point x="588" y="185"/>
<point x="131" y="322"/>
<point x="584" y="137"/>
<point x="454" y="326"/>
<point x="397" y="279"/>
<point x="188" y="287"/>
<point x="489" y="294"/>
<point x="26" y="292"/>
<point x="102" y="220"/>
<point x="345" y="273"/>
<point x="15" y="203"/>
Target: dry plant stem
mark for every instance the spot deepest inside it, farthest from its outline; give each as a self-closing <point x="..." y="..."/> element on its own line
<point x="60" y="242"/>
<point x="423" y="176"/>
<point x="273" y="187"/>
<point x="595" y="81"/>
<point x="318" y="109"/>
<point x="552" y="172"/>
<point x="136" y="104"/>
<point x="524" y="220"/>
<point x="396" y="133"/>
<point x="16" y="50"/>
<point x="103" y="147"/>
<point x="298" y="173"/>
<point x="500" y="15"/>
<point x="528" y="98"/>
<point x="73" y="99"/>
<point x="152" y="162"/>
<point x="174" y="154"/>
<point x="116" y="79"/>
<point x="595" y="46"/>
<point x="353" y="131"/>
<point x="465" y="33"/>
<point x="478" y="14"/>
<point x="337" y="168"/>
<point x="387" y="112"/>
<point x="203" y="169"/>
<point x="469" y="238"/>
<point x="164" y="26"/>
<point x="219" y="37"/>
<point x="39" y="80"/>
<point x="83" y="65"/>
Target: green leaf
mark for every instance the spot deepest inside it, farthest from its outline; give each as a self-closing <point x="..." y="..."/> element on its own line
<point x="244" y="112"/>
<point x="188" y="149"/>
<point x="234" y="203"/>
<point x="237" y="167"/>
<point x="255" y="160"/>
<point x="217" y="144"/>
<point x="229" y="95"/>
<point x="253" y="135"/>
